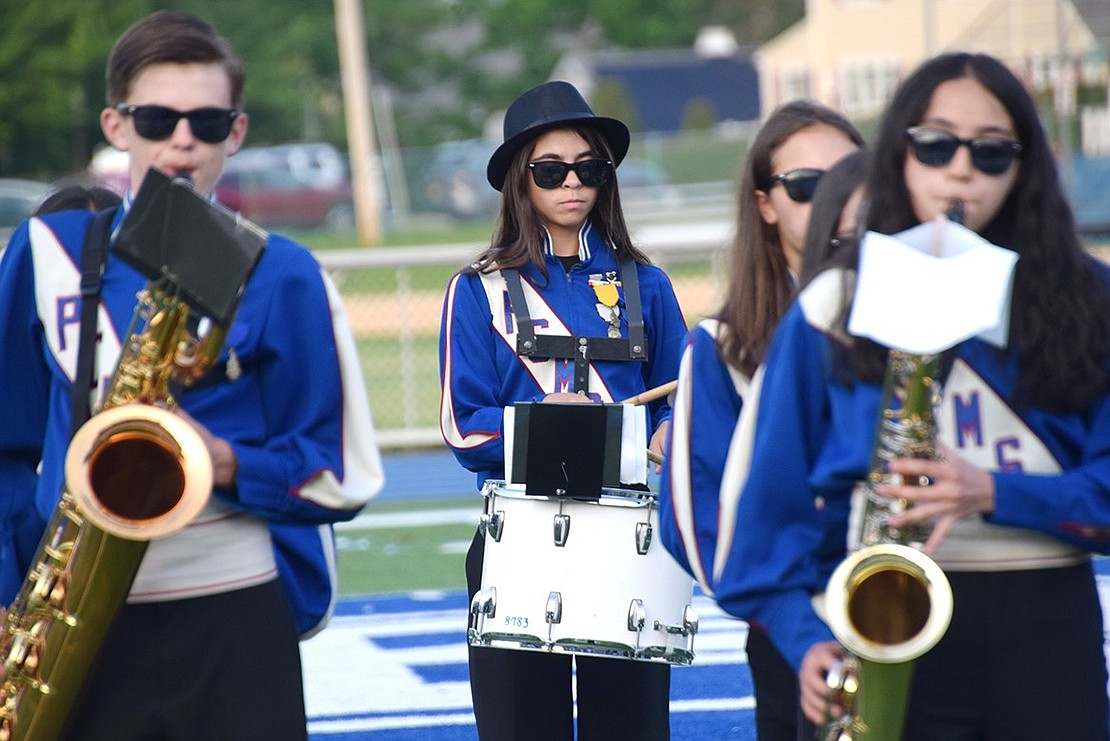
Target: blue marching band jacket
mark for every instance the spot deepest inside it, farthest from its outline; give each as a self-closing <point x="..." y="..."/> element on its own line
<point x="293" y="405"/>
<point x="695" y="521"/>
<point x="803" y="440"/>
<point x="485" y="367"/>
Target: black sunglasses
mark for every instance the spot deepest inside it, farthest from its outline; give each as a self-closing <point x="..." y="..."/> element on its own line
<point x="156" y="123"/>
<point x="549" y="174"/>
<point x="800" y="184"/>
<point x="936" y="148"/>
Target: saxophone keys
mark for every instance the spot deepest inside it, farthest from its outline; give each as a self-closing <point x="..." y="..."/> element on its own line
<point x="49" y="590"/>
<point x="22" y="664"/>
<point x="8" y="707"/>
<point x="22" y="658"/>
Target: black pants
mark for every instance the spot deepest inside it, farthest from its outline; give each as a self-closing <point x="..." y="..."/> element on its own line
<point x="220" y="668"/>
<point x="526" y="695"/>
<point x="778" y="712"/>
<point x="1022" y="659"/>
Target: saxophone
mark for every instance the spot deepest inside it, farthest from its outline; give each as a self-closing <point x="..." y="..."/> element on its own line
<point x="134" y="472"/>
<point x="888" y="603"/>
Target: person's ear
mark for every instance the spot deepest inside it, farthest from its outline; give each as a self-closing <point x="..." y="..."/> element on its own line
<point x="113" y="126"/>
<point x="238" y="134"/>
<point x="766" y="209"/>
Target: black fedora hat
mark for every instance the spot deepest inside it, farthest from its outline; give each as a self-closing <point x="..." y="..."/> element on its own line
<point x="550" y="105"/>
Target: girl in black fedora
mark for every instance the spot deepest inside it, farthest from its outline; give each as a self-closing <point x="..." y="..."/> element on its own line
<point x="561" y="267"/>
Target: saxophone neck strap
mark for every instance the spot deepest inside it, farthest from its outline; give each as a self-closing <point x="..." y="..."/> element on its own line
<point x="578" y="348"/>
<point x="94" y="257"/>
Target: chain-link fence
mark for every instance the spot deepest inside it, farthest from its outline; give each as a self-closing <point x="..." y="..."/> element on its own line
<point x="394" y="299"/>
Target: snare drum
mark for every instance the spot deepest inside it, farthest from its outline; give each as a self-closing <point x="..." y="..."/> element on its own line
<point x="574" y="576"/>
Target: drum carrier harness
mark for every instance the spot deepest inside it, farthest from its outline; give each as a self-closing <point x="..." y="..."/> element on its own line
<point x="581" y="349"/>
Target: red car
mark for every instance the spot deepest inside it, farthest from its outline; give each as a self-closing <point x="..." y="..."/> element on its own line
<point x="291" y="185"/>
<point x="300" y="186"/>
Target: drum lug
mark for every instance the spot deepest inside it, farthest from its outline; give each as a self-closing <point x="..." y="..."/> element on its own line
<point x="554" y="612"/>
<point x="492" y="525"/>
<point x="689" y="624"/>
<point x="561" y="524"/>
<point x="637" y="615"/>
<point x="643" y="537"/>
<point x="484" y="602"/>
<point x="689" y="620"/>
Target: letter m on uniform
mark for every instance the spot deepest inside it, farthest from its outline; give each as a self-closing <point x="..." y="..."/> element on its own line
<point x="969" y="421"/>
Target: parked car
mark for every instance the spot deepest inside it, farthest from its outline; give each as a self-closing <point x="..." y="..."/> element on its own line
<point x="303" y="185"/>
<point x="455" y="180"/>
<point x="290" y="185"/>
<point x="18" y="199"/>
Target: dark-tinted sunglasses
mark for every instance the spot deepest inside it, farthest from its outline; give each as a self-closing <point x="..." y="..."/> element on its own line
<point x="936" y="148"/>
<point x="800" y="184"/>
<point x="156" y="123"/>
<point x="550" y="174"/>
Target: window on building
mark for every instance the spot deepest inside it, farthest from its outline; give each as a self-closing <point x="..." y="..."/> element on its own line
<point x="795" y="83"/>
<point x="867" y="84"/>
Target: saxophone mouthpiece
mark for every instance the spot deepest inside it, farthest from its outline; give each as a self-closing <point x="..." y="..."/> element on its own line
<point x="955" y="211"/>
<point x="183" y="178"/>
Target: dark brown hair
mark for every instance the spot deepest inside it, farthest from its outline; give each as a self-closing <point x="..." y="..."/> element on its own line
<point x="832" y="195"/>
<point x="74" y="196"/>
<point x="1060" y="312"/>
<point x="760" y="287"/>
<point x="518" y="237"/>
<point x="169" y="37"/>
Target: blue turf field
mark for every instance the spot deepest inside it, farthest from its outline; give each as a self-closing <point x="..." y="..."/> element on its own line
<point x="393" y="668"/>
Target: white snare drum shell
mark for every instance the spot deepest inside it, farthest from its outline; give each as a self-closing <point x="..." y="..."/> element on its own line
<point x="575" y="576"/>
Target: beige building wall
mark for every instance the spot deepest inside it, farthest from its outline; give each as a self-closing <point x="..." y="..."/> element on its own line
<point x="850" y="54"/>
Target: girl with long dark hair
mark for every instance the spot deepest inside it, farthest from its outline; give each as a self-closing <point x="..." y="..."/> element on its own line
<point x="1021" y="493"/>
<point x="561" y="266"/>
<point x="785" y="167"/>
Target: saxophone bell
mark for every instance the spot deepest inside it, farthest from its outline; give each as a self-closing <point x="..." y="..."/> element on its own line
<point x="887" y="604"/>
<point x="132" y="449"/>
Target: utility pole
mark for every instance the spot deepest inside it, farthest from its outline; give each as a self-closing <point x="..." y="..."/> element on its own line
<point x="930" y="27"/>
<point x="354" y="72"/>
<point x="1064" y="100"/>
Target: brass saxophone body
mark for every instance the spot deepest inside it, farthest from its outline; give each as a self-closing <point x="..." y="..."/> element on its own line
<point x="134" y="472"/>
<point x="888" y="603"/>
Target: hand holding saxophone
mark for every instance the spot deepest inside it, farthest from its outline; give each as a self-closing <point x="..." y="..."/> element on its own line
<point x="818" y="701"/>
<point x="224" y="463"/>
<point x="956" y="489"/>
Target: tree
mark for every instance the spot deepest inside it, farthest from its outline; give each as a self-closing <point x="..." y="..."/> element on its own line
<point x="289" y="49"/>
<point x="52" y="57"/>
<point x="448" y="63"/>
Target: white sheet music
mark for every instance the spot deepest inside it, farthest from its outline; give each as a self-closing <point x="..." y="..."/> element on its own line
<point x="923" y="292"/>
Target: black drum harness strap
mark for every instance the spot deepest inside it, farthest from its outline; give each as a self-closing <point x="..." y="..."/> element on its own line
<point x="581" y="349"/>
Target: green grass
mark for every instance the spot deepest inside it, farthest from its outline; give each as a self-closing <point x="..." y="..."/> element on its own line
<point x="420" y="231"/>
<point x="386" y="280"/>
<point x="405" y="558"/>
<point x="389" y="384"/>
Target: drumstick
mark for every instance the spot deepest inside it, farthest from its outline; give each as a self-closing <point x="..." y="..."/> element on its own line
<point x="654" y="457"/>
<point x="651" y="394"/>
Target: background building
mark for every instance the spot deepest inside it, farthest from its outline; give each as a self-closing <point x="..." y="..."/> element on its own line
<point x="851" y="54"/>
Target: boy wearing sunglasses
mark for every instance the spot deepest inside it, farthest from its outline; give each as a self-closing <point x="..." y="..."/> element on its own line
<point x="561" y="274"/>
<point x="206" y="645"/>
<point x="177" y="110"/>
